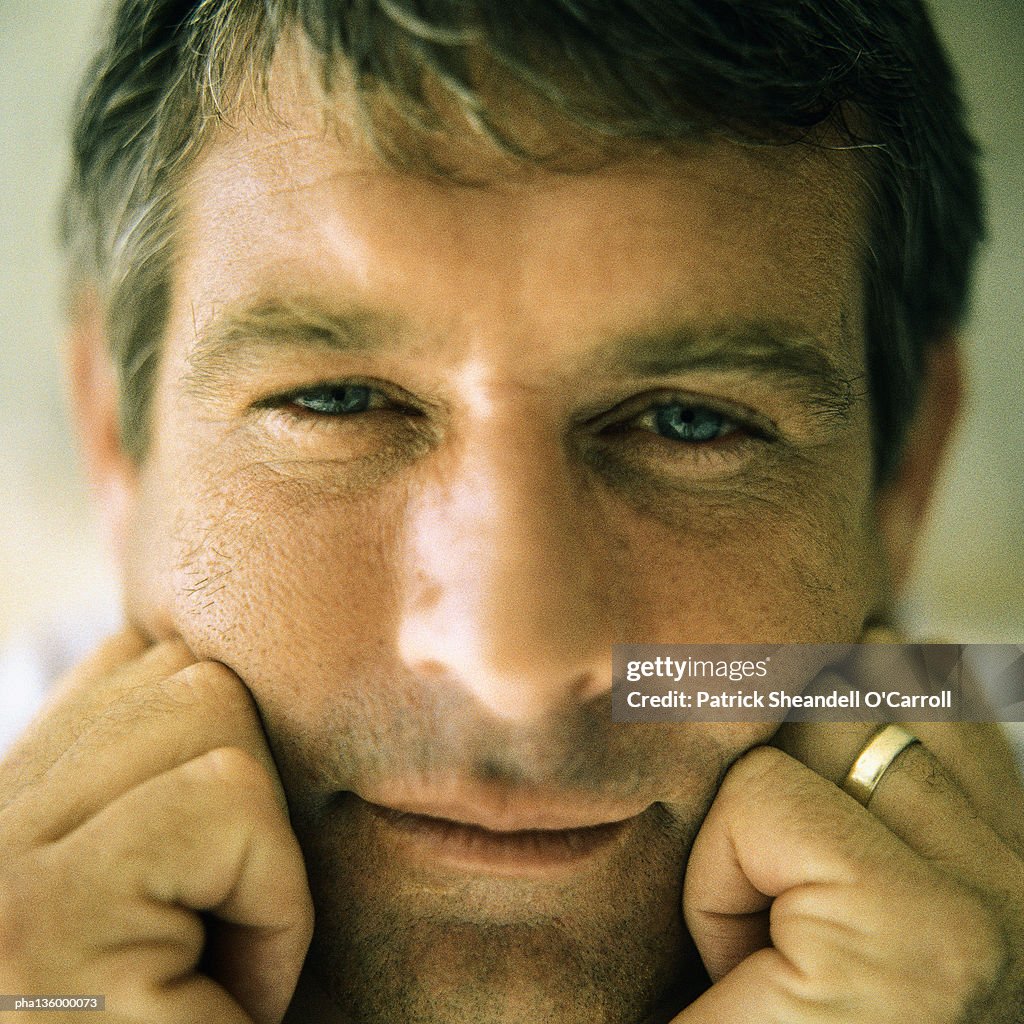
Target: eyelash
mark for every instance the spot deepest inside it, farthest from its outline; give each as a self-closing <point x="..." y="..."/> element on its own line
<point x="382" y="401"/>
<point x="741" y="430"/>
<point x="324" y="395"/>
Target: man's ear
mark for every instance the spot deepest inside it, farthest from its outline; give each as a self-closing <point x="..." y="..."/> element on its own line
<point x="903" y="501"/>
<point x="94" y="399"/>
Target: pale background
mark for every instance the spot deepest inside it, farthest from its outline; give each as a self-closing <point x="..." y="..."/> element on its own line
<point x="52" y="564"/>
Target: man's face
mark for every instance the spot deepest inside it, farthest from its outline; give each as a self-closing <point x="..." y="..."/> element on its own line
<point x="423" y="451"/>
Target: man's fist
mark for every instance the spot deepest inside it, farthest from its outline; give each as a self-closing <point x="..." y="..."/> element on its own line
<point x="808" y="908"/>
<point x="145" y="848"/>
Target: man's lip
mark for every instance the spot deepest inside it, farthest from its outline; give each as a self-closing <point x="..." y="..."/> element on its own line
<point x="463" y="838"/>
<point x="502" y="811"/>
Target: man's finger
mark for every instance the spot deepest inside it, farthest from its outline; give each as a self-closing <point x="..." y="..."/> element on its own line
<point x="971" y="754"/>
<point x="112" y="732"/>
<point x="90" y="694"/>
<point x="111" y="654"/>
<point x="42" y="742"/>
<point x="921" y="804"/>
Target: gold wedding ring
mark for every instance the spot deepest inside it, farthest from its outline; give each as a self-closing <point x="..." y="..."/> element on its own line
<point x="874" y="760"/>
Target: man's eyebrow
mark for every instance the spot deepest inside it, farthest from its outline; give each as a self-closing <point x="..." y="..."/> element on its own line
<point x="768" y="351"/>
<point x="235" y="333"/>
<point x="765" y="350"/>
<point x="305" y="323"/>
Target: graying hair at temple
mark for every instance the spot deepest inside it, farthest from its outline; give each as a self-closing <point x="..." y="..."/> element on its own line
<point x="868" y="74"/>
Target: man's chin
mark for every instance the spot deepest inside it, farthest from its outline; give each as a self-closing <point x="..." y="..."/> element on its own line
<point x="529" y="973"/>
<point x="599" y="940"/>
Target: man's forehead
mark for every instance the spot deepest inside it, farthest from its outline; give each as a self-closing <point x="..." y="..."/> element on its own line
<point x="291" y="191"/>
<point x="771" y="190"/>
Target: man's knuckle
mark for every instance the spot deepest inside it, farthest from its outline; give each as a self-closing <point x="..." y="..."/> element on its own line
<point x="160" y="661"/>
<point x="759" y="767"/>
<point x="239" y="770"/>
<point x="978" y="956"/>
<point x="214" y="687"/>
<point x="174" y="653"/>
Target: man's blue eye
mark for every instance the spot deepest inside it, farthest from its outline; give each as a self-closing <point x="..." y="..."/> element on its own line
<point x="335" y="401"/>
<point x="679" y="422"/>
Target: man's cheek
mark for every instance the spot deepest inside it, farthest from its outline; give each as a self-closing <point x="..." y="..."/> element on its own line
<point x="263" y="572"/>
<point x="799" y="571"/>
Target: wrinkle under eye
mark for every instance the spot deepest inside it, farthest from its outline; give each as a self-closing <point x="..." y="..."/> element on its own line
<point x="679" y="422"/>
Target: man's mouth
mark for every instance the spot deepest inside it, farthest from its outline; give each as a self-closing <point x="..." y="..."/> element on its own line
<point x="513" y="839"/>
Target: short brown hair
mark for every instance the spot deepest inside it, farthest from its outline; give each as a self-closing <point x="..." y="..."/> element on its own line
<point x="633" y="71"/>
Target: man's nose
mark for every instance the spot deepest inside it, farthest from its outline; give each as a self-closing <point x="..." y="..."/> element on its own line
<point x="502" y="581"/>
